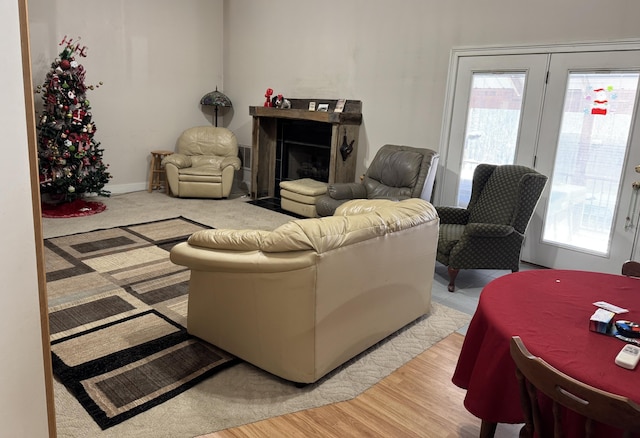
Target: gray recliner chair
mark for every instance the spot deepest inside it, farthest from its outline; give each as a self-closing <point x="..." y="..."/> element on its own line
<point x="396" y="173"/>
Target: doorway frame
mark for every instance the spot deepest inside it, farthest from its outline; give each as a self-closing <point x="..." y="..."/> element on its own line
<point x="27" y="80"/>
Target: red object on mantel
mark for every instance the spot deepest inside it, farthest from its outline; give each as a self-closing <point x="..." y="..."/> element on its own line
<point x="550" y="310"/>
<point x="76" y="208"/>
<point x="267" y="96"/>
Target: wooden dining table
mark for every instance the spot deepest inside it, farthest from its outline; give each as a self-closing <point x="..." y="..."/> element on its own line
<point x="550" y="310"/>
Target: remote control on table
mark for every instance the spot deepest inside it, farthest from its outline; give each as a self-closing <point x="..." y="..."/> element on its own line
<point x="628" y="356"/>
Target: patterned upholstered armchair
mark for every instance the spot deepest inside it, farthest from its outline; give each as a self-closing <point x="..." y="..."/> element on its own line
<point x="396" y="173"/>
<point x="489" y="233"/>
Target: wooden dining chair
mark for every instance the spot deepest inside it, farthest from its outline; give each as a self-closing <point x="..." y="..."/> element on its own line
<point x="595" y="405"/>
<point x="631" y="268"/>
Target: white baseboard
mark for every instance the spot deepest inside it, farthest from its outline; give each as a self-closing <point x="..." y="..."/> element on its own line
<point x="118" y="189"/>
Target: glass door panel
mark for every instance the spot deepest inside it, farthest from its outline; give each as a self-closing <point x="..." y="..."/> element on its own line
<point x="588" y="147"/>
<point x="592" y="144"/>
<point x="493" y="121"/>
<point x="496" y="104"/>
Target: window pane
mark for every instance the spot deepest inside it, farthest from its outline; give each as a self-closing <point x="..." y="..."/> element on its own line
<point x="596" y="123"/>
<point x="493" y="121"/>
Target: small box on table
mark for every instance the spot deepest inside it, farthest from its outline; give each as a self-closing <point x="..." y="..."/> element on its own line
<point x="601" y="321"/>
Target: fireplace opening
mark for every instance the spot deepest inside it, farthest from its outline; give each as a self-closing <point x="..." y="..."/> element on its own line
<point x="303" y="150"/>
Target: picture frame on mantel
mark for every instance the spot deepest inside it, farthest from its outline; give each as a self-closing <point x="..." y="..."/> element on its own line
<point x="323" y="107"/>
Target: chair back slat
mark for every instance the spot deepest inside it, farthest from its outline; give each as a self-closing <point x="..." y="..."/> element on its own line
<point x="534" y="374"/>
<point x="631" y="268"/>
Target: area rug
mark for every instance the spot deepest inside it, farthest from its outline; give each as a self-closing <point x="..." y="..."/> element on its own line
<point x="117" y="307"/>
<point x="236" y="395"/>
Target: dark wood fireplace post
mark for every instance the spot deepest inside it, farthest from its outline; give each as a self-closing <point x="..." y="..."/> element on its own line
<point x="345" y="127"/>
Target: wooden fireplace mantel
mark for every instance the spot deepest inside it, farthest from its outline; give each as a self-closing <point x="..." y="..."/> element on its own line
<point x="345" y="126"/>
<point x="352" y="112"/>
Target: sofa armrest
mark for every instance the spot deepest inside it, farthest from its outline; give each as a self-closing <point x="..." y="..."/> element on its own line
<point x="232" y="240"/>
<point x="179" y="160"/>
<point x="289" y="237"/>
<point x="453" y="215"/>
<point x="347" y="191"/>
<point x="207" y="259"/>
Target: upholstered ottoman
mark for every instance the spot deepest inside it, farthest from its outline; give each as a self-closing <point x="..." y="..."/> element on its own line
<point x="299" y="196"/>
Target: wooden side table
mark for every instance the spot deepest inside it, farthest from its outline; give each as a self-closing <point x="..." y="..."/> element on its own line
<point x="157" y="175"/>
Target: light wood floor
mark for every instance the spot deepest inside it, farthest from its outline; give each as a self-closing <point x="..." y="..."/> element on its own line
<point x="417" y="400"/>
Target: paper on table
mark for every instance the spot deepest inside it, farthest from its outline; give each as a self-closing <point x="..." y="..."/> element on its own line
<point x="610" y="307"/>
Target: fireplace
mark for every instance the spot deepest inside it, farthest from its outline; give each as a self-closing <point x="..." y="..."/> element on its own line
<point x="296" y="143"/>
<point x="303" y="150"/>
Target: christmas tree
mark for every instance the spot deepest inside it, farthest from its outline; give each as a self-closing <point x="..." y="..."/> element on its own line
<point x="70" y="160"/>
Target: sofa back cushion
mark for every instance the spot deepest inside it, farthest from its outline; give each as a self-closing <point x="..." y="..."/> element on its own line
<point x="354" y="222"/>
<point x="396" y="215"/>
<point x="323" y="234"/>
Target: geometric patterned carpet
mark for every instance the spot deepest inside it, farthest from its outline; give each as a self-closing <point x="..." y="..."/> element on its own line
<point x="117" y="317"/>
<point x="242" y="393"/>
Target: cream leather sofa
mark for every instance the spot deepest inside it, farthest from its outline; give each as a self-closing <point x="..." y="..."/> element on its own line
<point x="306" y="297"/>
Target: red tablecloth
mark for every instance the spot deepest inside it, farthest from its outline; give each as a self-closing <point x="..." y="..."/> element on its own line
<point x="550" y="311"/>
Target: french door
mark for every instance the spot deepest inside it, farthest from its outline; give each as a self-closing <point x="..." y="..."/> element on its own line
<point x="571" y="116"/>
<point x="496" y="112"/>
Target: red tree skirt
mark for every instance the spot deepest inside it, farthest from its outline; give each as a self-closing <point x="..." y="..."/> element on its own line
<point x="76" y="208"/>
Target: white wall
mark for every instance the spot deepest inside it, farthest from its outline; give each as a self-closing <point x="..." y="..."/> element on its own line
<point x="394" y="56"/>
<point x="22" y="394"/>
<point x="156" y="59"/>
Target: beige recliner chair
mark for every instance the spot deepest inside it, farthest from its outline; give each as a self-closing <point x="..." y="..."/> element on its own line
<point x="204" y="164"/>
